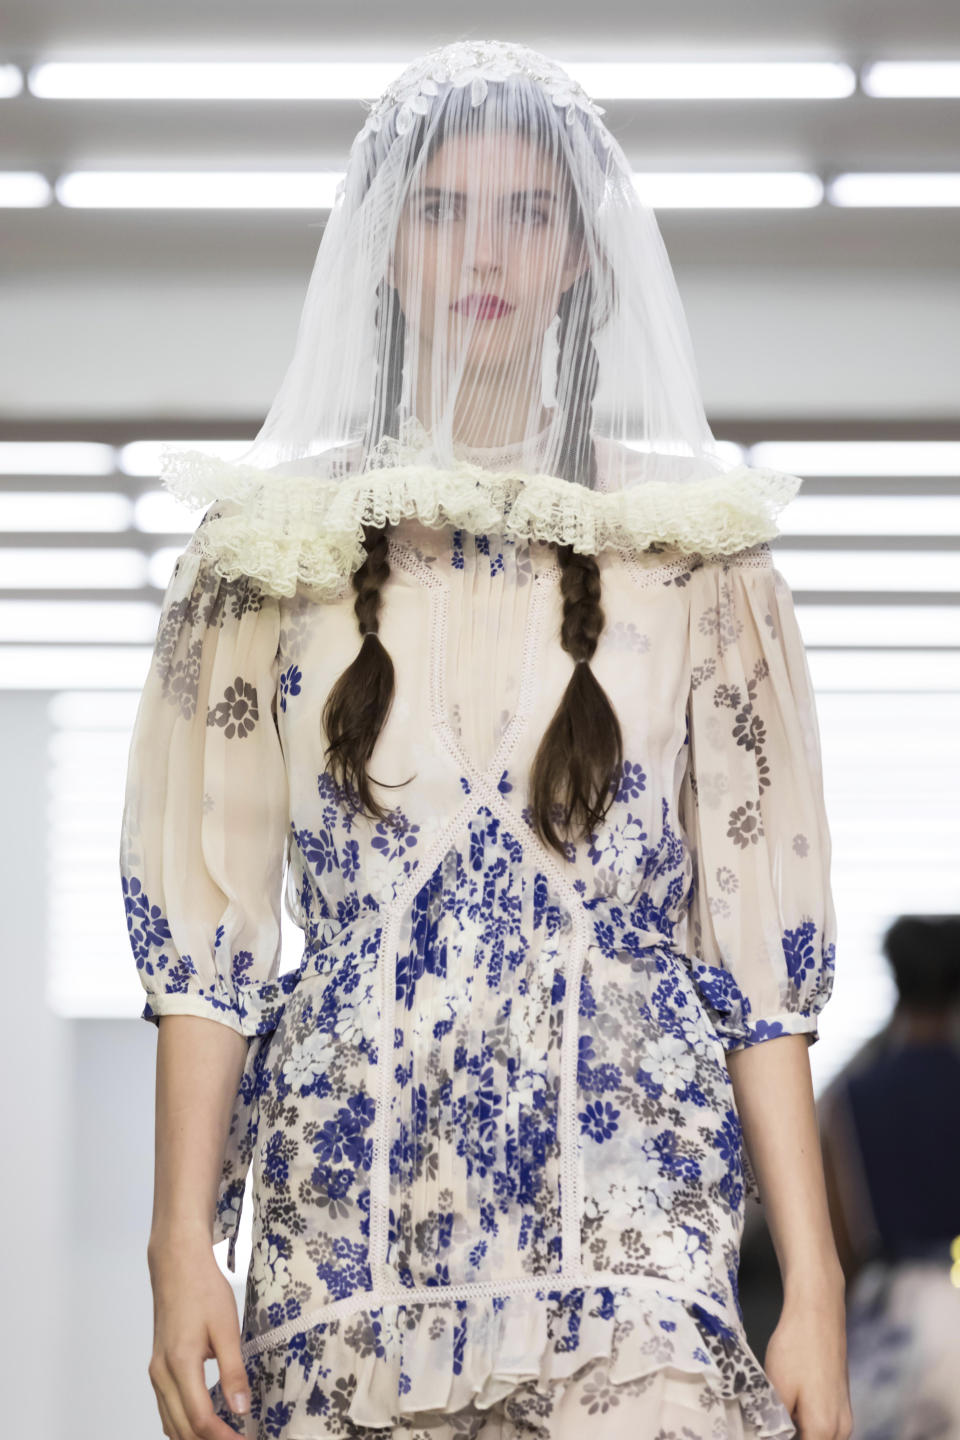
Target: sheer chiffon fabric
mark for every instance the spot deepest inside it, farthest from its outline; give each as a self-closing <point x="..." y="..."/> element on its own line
<point x="402" y="1216"/>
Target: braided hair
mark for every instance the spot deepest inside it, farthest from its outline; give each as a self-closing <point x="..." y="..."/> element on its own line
<point x="358" y="703"/>
<point x="577" y="767"/>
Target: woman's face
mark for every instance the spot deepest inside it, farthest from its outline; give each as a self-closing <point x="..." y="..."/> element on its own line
<point x="486" y="215"/>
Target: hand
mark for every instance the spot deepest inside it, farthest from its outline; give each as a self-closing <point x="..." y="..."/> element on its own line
<point x="806" y="1360"/>
<point x="194" y="1319"/>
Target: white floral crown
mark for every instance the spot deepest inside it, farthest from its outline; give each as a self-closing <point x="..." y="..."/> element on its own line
<point x="474" y="63"/>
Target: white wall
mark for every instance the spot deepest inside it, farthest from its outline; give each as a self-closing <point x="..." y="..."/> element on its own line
<point x="768" y="341"/>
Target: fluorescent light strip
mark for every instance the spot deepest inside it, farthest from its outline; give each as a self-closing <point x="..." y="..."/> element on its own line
<point x="871" y="515"/>
<point x="892" y="672"/>
<point x="912" y="79"/>
<point x="318" y="190"/>
<point x="11" y="81"/>
<point x="54" y="511"/>
<point x="60" y="621"/>
<point x="59" y="568"/>
<point x="160" y="513"/>
<point x="56" y="457"/>
<point x="200" y="80"/>
<point x="714" y="79"/>
<point x="24" y="190"/>
<point x="730" y="190"/>
<point x="142" y="457"/>
<point x="909" y="458"/>
<point x="366" y="80"/>
<point x="900" y="190"/>
<point x="919" y="627"/>
<point x="208" y="190"/>
<point x="74" y="667"/>
<point x="198" y="190"/>
<point x="877" y="570"/>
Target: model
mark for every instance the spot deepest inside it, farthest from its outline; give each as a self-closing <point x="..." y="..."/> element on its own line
<point x="478" y="664"/>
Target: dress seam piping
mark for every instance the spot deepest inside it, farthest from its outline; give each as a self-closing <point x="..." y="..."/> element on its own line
<point x="673" y="1290"/>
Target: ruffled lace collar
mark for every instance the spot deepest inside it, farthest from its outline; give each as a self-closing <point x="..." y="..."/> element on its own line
<point x="286" y="528"/>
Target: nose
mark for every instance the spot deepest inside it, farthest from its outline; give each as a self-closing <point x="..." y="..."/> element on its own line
<point x="487" y="239"/>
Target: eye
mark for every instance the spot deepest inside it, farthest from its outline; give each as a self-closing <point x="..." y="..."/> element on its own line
<point x="433" y="205"/>
<point x="533" y="212"/>
<point x="523" y="211"/>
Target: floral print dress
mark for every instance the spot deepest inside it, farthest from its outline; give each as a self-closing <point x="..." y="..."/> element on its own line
<point x="498" y="1178"/>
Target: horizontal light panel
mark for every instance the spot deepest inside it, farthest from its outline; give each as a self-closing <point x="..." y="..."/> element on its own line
<point x="24" y="190"/>
<point x="365" y="80"/>
<point x="884" y="625"/>
<point x="920" y="79"/>
<point x="906" y="189"/>
<point x="201" y="190"/>
<point x="56" y="457"/>
<point x="871" y="458"/>
<point x="65" y="510"/>
<point x="871" y="515"/>
<point x="54" y="667"/>
<point x="882" y="570"/>
<point x="142" y="457"/>
<point x="95" y="568"/>
<point x="885" y="672"/>
<point x="54" y="621"/>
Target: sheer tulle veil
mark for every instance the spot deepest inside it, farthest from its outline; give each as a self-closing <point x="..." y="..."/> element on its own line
<point x="492" y="336"/>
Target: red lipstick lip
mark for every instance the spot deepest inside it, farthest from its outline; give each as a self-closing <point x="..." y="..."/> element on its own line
<point x="485" y="305"/>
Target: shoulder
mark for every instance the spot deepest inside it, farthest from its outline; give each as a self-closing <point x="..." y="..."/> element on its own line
<point x="620" y="465"/>
<point x="327" y="463"/>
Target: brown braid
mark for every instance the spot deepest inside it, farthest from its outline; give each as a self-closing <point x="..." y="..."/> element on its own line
<point x="358" y="704"/>
<point x="577" y="767"/>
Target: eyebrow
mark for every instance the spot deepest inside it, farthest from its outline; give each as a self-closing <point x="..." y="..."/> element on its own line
<point x="461" y="195"/>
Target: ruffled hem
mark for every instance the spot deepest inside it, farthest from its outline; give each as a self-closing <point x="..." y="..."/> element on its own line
<point x="285" y="531"/>
<point x="381" y="1368"/>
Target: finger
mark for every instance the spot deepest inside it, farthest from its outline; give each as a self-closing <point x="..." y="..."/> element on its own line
<point x="193" y="1408"/>
<point x="234" y="1382"/>
<point x="182" y="1427"/>
<point x="166" y="1420"/>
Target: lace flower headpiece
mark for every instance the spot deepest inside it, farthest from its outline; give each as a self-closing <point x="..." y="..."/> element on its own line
<point x="476" y="63"/>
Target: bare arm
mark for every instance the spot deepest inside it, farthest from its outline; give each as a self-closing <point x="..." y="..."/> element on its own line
<point x="806" y="1356"/>
<point x="199" y="1065"/>
<point x="774" y="1094"/>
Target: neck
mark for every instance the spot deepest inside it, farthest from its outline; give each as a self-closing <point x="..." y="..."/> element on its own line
<point x="483" y="421"/>
<point x="922" y="1026"/>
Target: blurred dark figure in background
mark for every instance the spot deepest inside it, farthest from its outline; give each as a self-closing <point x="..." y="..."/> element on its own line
<point x="890" y="1130"/>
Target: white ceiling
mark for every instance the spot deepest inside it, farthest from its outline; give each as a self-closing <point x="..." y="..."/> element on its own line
<point x="826" y="136"/>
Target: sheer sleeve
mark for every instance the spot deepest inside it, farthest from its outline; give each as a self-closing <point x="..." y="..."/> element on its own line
<point x="762" y="923"/>
<point x="206" y="804"/>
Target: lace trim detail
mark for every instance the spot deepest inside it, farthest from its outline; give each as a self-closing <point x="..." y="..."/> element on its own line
<point x="678" y="571"/>
<point x="290" y="530"/>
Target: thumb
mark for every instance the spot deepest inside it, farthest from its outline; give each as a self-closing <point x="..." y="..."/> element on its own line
<point x="233" y="1376"/>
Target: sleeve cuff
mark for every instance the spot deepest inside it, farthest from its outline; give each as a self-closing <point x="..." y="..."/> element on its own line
<point x="770" y="1027"/>
<point x="206" y="1006"/>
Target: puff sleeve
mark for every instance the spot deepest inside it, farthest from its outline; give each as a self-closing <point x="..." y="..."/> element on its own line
<point x="761" y="926"/>
<point x="205" y="809"/>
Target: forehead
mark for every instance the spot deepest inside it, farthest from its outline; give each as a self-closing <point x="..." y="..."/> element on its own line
<point x="488" y="161"/>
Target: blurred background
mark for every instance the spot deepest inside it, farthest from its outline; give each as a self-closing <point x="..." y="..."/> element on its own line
<point x="164" y="173"/>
